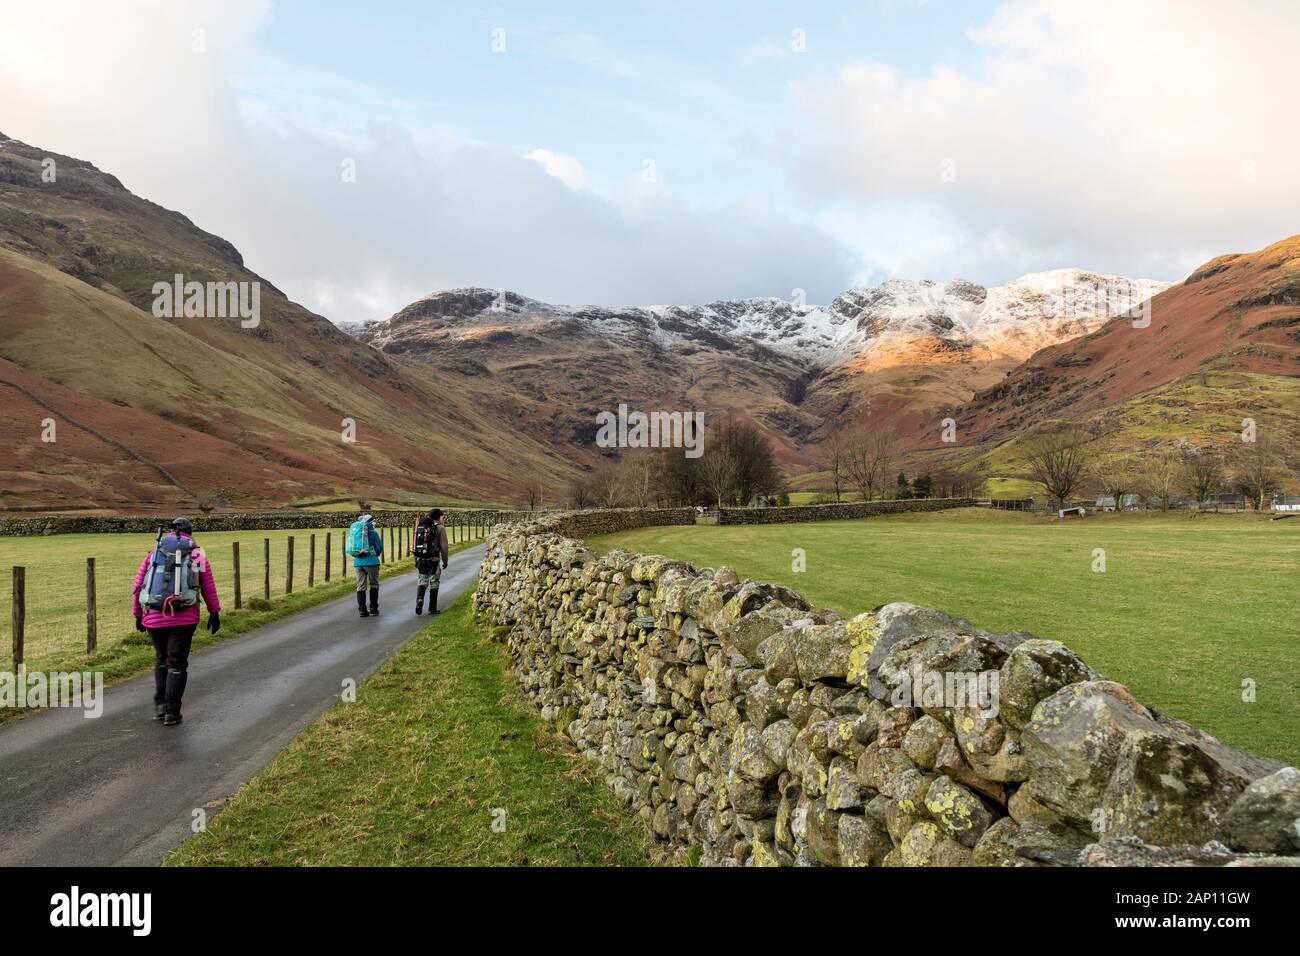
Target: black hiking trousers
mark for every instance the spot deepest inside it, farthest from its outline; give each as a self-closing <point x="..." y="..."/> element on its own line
<point x="171" y="661"/>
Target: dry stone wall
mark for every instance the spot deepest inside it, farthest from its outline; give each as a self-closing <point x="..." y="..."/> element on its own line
<point x="746" y="727"/>
<point x="838" y="511"/>
<point x="238" y="521"/>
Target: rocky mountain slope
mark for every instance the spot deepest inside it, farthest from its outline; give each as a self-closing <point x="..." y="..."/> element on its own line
<point x="1236" y="314"/>
<point x="896" y="351"/>
<point x="1218" y="348"/>
<point x="475" y="393"/>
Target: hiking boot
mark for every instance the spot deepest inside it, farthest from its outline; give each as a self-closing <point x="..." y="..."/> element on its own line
<point x="419" y="599"/>
<point x="176" y="681"/>
<point x="361" y="604"/>
<point x="159" y="711"/>
<point x="433" y="600"/>
<point x="374" y="601"/>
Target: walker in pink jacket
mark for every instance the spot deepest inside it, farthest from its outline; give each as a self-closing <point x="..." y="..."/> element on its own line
<point x="180" y="616"/>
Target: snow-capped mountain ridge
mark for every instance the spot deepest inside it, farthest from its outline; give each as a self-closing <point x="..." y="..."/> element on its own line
<point x="865" y="324"/>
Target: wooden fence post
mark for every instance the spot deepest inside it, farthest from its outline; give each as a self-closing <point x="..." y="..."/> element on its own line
<point x="92" y="636"/>
<point x="239" y="591"/>
<point x="288" y="570"/>
<point x="311" y="561"/>
<point x="266" y="568"/>
<point x="19" y="613"/>
<point x="329" y="553"/>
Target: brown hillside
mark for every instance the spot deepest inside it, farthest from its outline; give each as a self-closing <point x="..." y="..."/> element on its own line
<point x="1237" y="313"/>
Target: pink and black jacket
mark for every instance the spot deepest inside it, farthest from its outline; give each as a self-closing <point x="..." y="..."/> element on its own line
<point x="180" y="616"/>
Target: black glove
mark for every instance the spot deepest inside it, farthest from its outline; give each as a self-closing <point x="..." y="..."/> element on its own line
<point x="444" y="565"/>
<point x="214" y="622"/>
<point x="139" y="625"/>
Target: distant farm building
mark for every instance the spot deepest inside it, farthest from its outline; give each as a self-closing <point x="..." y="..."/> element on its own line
<point x="1286" y="502"/>
<point x="1107" y="502"/>
<point x="1012" y="504"/>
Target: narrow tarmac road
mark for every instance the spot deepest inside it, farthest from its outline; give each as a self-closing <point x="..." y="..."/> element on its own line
<point x="121" y="789"/>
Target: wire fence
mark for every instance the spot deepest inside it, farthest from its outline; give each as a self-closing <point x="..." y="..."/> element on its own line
<point x="65" y="596"/>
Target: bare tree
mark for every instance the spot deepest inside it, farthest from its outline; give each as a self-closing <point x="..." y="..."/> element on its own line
<point x="1202" y="474"/>
<point x="1161" y="473"/>
<point x="606" y="487"/>
<point x="533" y="495"/>
<point x="1057" y="461"/>
<point x="1255" y="472"/>
<point x="882" y="448"/>
<point x="580" y="495"/>
<point x="1117" y="477"/>
<point x="869" y="456"/>
<point x="837" y="451"/>
<point x="718" y="472"/>
<point x="677" y="478"/>
<point x="637" y="475"/>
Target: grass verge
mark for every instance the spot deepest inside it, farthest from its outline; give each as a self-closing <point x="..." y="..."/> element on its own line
<point x="439" y="744"/>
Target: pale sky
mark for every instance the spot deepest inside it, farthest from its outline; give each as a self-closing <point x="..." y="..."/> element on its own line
<point x="650" y="153"/>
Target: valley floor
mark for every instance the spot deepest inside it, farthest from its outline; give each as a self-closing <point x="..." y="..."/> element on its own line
<point x="1190" y="612"/>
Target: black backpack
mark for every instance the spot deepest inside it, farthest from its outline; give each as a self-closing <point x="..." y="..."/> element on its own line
<point x="424" y="541"/>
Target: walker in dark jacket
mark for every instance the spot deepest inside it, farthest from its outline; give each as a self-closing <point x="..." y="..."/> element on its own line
<point x="433" y="541"/>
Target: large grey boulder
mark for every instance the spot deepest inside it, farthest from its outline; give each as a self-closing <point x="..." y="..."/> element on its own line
<point x="1266" y="817"/>
<point x="1105" y="763"/>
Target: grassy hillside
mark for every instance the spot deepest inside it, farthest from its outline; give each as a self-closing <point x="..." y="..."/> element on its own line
<point x="1188" y="606"/>
<point x="164" y="412"/>
<point x="418" y="779"/>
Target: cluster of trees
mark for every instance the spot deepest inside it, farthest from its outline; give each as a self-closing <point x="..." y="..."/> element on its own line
<point x="1062" y="462"/>
<point x="737" y="465"/>
<point x="860" y="460"/>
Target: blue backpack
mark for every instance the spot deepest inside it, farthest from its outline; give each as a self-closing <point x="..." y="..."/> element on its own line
<point x="172" y="579"/>
<point x="359" y="540"/>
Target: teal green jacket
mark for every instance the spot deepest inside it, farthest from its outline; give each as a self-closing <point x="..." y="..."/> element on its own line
<point x="376" y="549"/>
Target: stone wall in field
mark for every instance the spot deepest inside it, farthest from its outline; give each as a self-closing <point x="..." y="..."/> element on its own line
<point x="244" y="521"/>
<point x="837" y="512"/>
<point x="746" y="727"/>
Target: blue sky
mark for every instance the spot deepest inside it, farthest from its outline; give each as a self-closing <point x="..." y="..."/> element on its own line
<point x="695" y="86"/>
<point x="931" y="139"/>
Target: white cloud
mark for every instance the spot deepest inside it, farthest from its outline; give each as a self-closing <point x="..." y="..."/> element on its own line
<point x="567" y="169"/>
<point x="251" y="148"/>
<point x="1132" y="137"/>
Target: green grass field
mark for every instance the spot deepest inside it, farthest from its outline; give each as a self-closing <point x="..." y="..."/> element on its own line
<point x="439" y="744"/>
<point x="1188" y="607"/>
<point x="55" y="630"/>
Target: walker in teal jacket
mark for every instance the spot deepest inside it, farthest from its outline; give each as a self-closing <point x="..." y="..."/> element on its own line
<point x="371" y="554"/>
